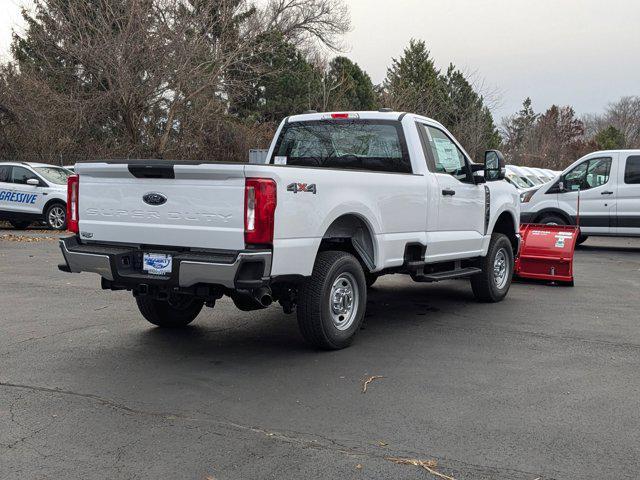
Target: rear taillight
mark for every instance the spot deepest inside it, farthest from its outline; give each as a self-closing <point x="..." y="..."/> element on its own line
<point x="260" y="198"/>
<point x="73" y="217"/>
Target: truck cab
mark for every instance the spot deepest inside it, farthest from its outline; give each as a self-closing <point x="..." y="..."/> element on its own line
<point x="342" y="199"/>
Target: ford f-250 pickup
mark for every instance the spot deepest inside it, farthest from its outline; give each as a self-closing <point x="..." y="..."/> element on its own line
<point x="342" y="199"/>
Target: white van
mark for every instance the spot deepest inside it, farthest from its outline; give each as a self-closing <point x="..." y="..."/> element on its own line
<point x="608" y="185"/>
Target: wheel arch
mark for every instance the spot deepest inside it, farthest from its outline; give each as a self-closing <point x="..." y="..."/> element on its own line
<point x="51" y="202"/>
<point x="507" y="224"/>
<point x="352" y="232"/>
<point x="553" y="211"/>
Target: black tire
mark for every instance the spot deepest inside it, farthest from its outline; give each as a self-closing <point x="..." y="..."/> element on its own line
<point x="177" y="313"/>
<point x="581" y="239"/>
<point x="486" y="287"/>
<point x="552" y="220"/>
<point x="371" y="278"/>
<point x="18" y="225"/>
<point x="315" y="311"/>
<point x="56" y="216"/>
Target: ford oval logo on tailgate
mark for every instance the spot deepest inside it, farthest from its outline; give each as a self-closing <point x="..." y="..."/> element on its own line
<point x="154" y="199"/>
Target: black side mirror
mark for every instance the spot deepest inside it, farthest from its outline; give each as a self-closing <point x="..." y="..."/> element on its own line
<point x="494" y="166"/>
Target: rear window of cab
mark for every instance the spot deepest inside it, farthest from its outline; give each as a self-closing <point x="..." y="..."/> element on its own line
<point x="370" y="145"/>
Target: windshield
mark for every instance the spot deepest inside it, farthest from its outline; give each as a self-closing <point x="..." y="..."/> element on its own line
<point x="535" y="180"/>
<point x="54" y="174"/>
<point x="517" y="181"/>
<point x="375" y="145"/>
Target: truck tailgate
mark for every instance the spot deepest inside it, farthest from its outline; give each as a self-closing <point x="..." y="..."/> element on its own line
<point x="163" y="203"/>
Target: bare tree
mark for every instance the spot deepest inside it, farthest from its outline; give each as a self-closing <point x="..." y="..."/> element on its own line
<point x="148" y="77"/>
<point x="624" y="115"/>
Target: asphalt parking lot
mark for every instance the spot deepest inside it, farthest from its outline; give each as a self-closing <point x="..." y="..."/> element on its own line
<point x="544" y="385"/>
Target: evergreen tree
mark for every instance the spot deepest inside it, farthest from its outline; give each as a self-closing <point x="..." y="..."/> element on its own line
<point x="466" y="114"/>
<point x="348" y="87"/>
<point x="610" y="138"/>
<point x="413" y="83"/>
<point x="289" y="84"/>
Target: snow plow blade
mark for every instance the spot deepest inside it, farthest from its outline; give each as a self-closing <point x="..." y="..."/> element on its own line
<point x="547" y="252"/>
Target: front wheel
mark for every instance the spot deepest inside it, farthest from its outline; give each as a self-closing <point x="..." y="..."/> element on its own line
<point x="178" y="311"/>
<point x="552" y="220"/>
<point x="56" y="216"/>
<point x="332" y="302"/>
<point x="492" y="284"/>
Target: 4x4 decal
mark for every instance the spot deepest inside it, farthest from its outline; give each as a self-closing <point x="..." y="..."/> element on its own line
<point x="302" y="187"/>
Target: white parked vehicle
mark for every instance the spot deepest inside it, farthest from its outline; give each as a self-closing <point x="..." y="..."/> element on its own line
<point x="608" y="184"/>
<point x="541" y="174"/>
<point x="532" y="175"/>
<point x="521" y="174"/>
<point x="515" y="180"/>
<point x="344" y="198"/>
<point x="31" y="192"/>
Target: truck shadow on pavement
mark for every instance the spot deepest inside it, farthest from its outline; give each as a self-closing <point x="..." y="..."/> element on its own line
<point x="271" y="333"/>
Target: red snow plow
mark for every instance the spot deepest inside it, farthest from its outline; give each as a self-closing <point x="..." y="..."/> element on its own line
<point x="546" y="252"/>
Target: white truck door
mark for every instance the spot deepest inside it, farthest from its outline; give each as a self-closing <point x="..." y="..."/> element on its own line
<point x="27" y="198"/>
<point x="627" y="220"/>
<point x="595" y="179"/>
<point x="461" y="203"/>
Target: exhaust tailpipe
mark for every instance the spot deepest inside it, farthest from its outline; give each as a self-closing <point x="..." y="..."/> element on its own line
<point x="257" y="299"/>
<point x="263" y="296"/>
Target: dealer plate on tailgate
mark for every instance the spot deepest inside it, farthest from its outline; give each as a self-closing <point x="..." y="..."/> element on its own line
<point x="157" y="263"/>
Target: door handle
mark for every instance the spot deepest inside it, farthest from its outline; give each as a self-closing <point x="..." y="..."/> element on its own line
<point x="448" y="192"/>
<point x="606" y="193"/>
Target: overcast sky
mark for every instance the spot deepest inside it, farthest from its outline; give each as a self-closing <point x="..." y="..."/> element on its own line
<point x="583" y="53"/>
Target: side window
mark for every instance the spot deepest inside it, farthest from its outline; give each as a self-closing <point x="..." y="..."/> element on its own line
<point x="447" y="156"/>
<point x="5" y="173"/>
<point x="598" y="172"/>
<point x="21" y="175"/>
<point x="590" y="174"/>
<point x="632" y="170"/>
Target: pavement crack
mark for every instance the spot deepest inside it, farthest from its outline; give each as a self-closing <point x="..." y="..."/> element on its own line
<point x="90" y="396"/>
<point x="304" y="440"/>
<point x="71" y="330"/>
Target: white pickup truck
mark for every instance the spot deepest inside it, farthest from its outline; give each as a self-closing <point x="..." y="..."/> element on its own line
<point x="343" y="199"/>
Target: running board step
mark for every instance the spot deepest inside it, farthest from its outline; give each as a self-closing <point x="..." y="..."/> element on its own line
<point x="415" y="264"/>
<point x="436" y="277"/>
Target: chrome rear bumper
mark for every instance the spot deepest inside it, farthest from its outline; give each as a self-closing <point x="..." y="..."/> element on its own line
<point x="118" y="264"/>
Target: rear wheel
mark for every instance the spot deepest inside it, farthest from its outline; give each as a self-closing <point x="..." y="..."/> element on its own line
<point x="19" y="225"/>
<point x="332" y="302"/>
<point x="178" y="311"/>
<point x="492" y="284"/>
<point x="56" y="216"/>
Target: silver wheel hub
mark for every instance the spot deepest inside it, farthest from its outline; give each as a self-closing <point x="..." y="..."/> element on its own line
<point x="343" y="301"/>
<point x="501" y="266"/>
<point x="56" y="217"/>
